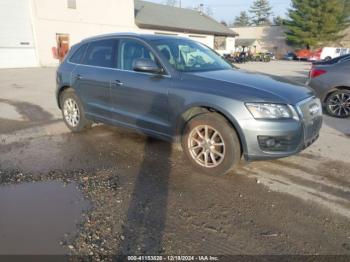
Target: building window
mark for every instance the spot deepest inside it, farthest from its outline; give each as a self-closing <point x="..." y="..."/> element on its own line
<point x="164" y="33"/>
<point x="220" y="42"/>
<point x="72" y="4"/>
<point x="197" y="36"/>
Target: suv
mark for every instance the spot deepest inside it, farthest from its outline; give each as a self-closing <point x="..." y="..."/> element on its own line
<point x="180" y="90"/>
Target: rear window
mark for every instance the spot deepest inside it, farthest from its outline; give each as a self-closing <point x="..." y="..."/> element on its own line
<point x="100" y="53"/>
<point x="78" y="55"/>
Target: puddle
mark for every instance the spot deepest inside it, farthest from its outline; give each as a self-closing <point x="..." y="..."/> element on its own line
<point x="8" y="111"/>
<point x="35" y="217"/>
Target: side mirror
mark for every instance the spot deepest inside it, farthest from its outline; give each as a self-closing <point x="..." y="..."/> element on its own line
<point x="147" y="66"/>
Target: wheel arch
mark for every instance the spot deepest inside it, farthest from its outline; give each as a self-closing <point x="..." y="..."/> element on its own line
<point x="197" y="109"/>
<point x="59" y="94"/>
<point x="335" y="89"/>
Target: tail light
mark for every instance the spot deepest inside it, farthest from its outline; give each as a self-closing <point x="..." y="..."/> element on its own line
<point x="317" y="72"/>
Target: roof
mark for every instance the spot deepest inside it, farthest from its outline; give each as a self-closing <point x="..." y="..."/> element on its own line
<point x="245" y="42"/>
<point x="163" y="17"/>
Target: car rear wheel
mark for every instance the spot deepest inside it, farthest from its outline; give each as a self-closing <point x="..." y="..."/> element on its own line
<point x="211" y="144"/>
<point x="338" y="104"/>
<point x="73" y="112"/>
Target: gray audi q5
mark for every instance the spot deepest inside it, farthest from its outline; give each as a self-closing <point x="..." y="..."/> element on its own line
<point x="179" y="90"/>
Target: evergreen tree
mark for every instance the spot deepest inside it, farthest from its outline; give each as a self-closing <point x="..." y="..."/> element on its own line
<point x="347" y="12"/>
<point x="312" y="23"/>
<point x="261" y="12"/>
<point x="277" y="20"/>
<point x="242" y="20"/>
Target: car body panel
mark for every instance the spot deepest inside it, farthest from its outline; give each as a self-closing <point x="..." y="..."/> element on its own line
<point x="146" y="105"/>
<point x="92" y="85"/>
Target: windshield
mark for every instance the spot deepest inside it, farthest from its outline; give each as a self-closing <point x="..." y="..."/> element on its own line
<point x="189" y="56"/>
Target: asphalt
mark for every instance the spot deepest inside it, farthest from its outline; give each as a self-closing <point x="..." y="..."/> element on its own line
<point x="111" y="191"/>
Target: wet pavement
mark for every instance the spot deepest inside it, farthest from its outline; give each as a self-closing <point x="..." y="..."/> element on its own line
<point x="111" y="191"/>
<point x="36" y="217"/>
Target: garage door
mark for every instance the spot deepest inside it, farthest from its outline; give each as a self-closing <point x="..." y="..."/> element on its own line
<point x="16" y="35"/>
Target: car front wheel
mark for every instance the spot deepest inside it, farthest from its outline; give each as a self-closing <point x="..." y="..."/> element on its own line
<point x="211" y="144"/>
<point x="338" y="104"/>
<point x="73" y="112"/>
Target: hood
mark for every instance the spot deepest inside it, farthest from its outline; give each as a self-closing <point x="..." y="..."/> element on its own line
<point x="254" y="86"/>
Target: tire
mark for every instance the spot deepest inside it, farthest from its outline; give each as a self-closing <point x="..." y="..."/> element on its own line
<point x="338" y="104"/>
<point x="73" y="112"/>
<point x="217" y="159"/>
<point x="328" y="58"/>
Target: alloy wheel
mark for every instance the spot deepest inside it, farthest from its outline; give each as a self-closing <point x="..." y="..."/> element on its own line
<point x="71" y="112"/>
<point x="206" y="146"/>
<point x="339" y="104"/>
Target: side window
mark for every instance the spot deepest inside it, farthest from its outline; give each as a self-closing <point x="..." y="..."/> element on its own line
<point x="129" y="51"/>
<point x="100" y="53"/>
<point x="78" y="54"/>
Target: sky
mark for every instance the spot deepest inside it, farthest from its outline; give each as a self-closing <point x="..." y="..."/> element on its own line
<point x="227" y="10"/>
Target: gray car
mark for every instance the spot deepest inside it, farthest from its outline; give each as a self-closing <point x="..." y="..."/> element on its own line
<point x="331" y="81"/>
<point x="181" y="91"/>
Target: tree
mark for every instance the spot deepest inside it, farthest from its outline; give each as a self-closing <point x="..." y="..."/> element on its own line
<point x="242" y="20"/>
<point x="261" y="12"/>
<point x="312" y="23"/>
<point x="209" y="11"/>
<point x="347" y="12"/>
<point x="223" y="23"/>
<point x="277" y="20"/>
<point x="171" y="2"/>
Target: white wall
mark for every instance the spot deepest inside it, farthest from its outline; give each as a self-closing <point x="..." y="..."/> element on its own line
<point x="230" y="46"/>
<point x="17" y="48"/>
<point x="271" y="38"/>
<point x="204" y="39"/>
<point x="91" y="17"/>
<point x="36" y="23"/>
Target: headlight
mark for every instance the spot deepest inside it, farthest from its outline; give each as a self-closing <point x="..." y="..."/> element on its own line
<point x="271" y="111"/>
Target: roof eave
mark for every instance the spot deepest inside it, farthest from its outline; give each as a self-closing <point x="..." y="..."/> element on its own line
<point x="183" y="30"/>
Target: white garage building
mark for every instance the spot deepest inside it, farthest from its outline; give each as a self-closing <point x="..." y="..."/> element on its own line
<point x="32" y="30"/>
<point x="17" y="45"/>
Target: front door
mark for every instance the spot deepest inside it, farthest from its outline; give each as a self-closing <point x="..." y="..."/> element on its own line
<point x="139" y="99"/>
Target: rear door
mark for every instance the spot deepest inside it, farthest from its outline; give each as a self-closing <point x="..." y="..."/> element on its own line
<point x="92" y="78"/>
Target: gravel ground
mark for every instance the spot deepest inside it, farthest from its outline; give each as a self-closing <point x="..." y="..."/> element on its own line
<point x="144" y="199"/>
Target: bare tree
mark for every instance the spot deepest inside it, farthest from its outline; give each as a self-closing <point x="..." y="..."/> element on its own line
<point x="171" y="2"/>
<point x="209" y="11"/>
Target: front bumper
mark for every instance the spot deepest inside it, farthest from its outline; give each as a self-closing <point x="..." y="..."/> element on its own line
<point x="270" y="139"/>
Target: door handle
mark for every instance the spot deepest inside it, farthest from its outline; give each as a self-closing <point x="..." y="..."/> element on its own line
<point x="119" y="83"/>
<point x="79" y="77"/>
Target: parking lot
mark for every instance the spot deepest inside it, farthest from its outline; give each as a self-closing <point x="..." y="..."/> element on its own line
<point x="110" y="191"/>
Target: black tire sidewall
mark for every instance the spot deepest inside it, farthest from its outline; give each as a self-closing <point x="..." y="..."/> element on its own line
<point x="329" y="112"/>
<point x="229" y="135"/>
<point x="83" y="122"/>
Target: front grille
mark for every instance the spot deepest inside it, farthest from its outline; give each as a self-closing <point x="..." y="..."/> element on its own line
<point x="311" y="113"/>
